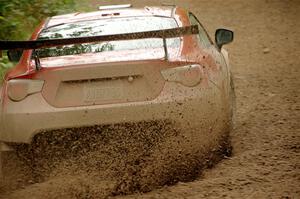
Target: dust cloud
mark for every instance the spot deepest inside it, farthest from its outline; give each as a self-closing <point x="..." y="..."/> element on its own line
<point x="103" y="161"/>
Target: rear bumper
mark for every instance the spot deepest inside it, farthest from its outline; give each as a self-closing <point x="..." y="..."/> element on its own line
<point x="191" y="107"/>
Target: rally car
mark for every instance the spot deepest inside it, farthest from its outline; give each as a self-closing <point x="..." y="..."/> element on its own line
<point x="118" y="65"/>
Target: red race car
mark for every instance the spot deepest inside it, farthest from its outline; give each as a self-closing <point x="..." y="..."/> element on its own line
<point x="119" y="66"/>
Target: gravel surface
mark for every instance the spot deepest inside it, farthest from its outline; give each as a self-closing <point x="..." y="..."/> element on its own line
<point x="266" y="139"/>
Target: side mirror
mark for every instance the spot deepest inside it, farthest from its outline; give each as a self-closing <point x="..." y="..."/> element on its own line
<point x="223" y="37"/>
<point x="14" y="55"/>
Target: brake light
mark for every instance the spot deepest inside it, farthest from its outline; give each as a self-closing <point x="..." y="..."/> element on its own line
<point x="19" y="89"/>
<point x="110" y="7"/>
<point x="189" y="75"/>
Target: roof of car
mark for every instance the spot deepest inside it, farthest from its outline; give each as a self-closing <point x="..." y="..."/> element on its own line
<point x="163" y="11"/>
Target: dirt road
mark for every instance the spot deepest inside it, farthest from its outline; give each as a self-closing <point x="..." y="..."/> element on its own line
<point x="266" y="64"/>
<point x="265" y="61"/>
<point x="266" y="140"/>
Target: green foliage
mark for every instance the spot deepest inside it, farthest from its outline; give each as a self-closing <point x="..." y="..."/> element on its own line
<point x="5" y="64"/>
<point x="18" y="19"/>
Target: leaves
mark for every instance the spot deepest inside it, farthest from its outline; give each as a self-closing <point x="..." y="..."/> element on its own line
<point x="5" y="64"/>
<point x="18" y="19"/>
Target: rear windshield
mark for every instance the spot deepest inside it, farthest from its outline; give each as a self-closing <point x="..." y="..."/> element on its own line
<point x="107" y="27"/>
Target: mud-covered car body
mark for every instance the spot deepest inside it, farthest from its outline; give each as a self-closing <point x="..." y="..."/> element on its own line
<point x="189" y="85"/>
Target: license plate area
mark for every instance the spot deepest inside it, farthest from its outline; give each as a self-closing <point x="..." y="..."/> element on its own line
<point x="110" y="86"/>
<point x="103" y="94"/>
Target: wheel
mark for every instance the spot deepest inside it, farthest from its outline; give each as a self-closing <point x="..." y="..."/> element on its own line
<point x="232" y="99"/>
<point x="1" y="168"/>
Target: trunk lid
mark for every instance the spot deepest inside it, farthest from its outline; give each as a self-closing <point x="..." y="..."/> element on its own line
<point x="95" y="80"/>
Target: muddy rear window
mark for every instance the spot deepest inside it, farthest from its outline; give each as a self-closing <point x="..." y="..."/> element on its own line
<point x="107" y="27"/>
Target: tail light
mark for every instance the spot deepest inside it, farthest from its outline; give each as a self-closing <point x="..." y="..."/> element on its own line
<point x="189" y="75"/>
<point x="19" y="89"/>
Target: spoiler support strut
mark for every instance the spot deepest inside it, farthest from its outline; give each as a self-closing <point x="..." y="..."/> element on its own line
<point x="165" y="48"/>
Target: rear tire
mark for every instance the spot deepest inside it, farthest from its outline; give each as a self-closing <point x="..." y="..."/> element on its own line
<point x="1" y="170"/>
<point x="232" y="98"/>
<point x="14" y="172"/>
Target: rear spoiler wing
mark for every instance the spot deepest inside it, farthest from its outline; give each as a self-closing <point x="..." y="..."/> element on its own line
<point x="38" y="44"/>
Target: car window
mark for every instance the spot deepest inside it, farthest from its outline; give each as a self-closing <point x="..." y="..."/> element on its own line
<point x="107" y="27"/>
<point x="203" y="37"/>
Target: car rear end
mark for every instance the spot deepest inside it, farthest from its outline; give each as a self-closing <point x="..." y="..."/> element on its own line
<point x="99" y="88"/>
<point x="98" y="94"/>
<point x="82" y="85"/>
<point x="103" y="83"/>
